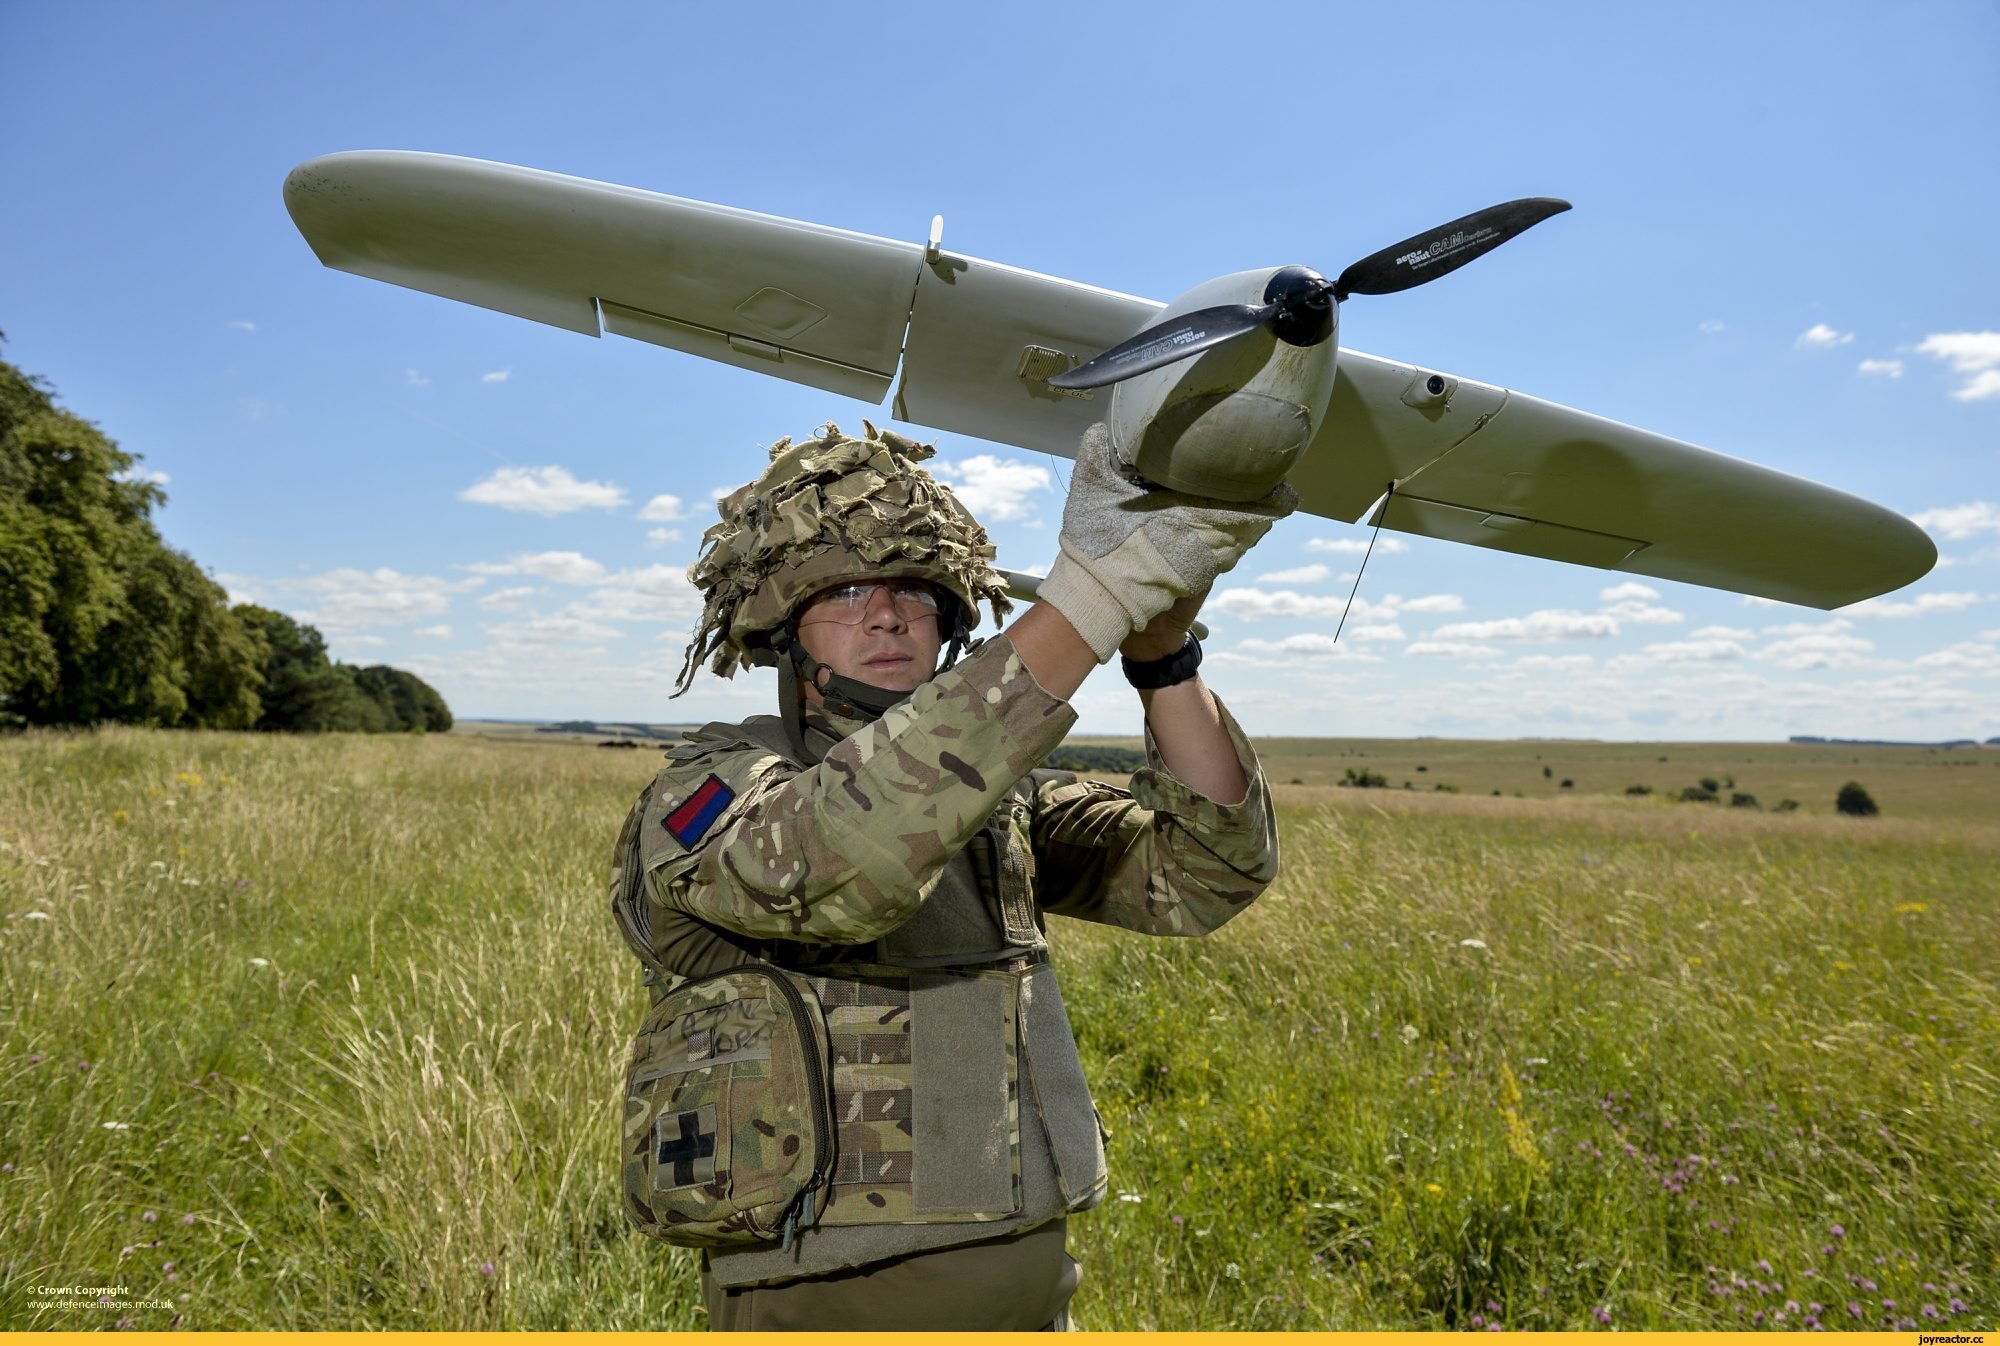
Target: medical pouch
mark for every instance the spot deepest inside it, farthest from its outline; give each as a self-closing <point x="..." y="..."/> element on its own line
<point x="728" y="1135"/>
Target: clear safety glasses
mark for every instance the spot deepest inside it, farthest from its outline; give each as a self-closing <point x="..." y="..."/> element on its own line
<point x="848" y="604"/>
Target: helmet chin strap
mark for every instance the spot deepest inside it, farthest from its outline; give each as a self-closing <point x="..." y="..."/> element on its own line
<point x="847" y="697"/>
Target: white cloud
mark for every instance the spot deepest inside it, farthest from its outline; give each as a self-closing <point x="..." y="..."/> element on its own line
<point x="416" y="379"/>
<point x="1712" y="326"/>
<point x="1965" y="655"/>
<point x="366" y="642"/>
<point x="1686" y="652"/>
<point x="1956" y="523"/>
<point x="509" y="600"/>
<point x="1312" y="574"/>
<point x="1316" y="644"/>
<point x="1825" y="650"/>
<point x="439" y="632"/>
<point x="660" y="537"/>
<point x="1722" y="633"/>
<point x="1376" y="631"/>
<point x="1888" y="369"/>
<point x="1355" y="546"/>
<point x="561" y="630"/>
<point x="497" y="376"/>
<point x="992" y="487"/>
<point x="1643" y="614"/>
<point x="1434" y="603"/>
<point x="1627" y="592"/>
<point x="564" y="567"/>
<point x="1451" y="649"/>
<point x="152" y="478"/>
<point x="1547" y="625"/>
<point x="243" y="325"/>
<point x="346" y="600"/>
<point x="1819" y="334"/>
<point x="721" y="492"/>
<point x="662" y="509"/>
<point x="1974" y="354"/>
<point x="1921" y="605"/>
<point x="543" y="490"/>
<point x="656" y="593"/>
<point x="1831" y="624"/>
<point x="1255" y="604"/>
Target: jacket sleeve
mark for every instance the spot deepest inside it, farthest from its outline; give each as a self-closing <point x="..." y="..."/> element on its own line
<point x="845" y="852"/>
<point x="1161" y="858"/>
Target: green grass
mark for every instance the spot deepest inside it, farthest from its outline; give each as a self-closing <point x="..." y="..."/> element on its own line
<point x="354" y="1013"/>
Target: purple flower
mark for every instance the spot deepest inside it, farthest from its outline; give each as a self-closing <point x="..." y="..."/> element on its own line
<point x="1838" y="1231"/>
<point x="1179" y="1221"/>
<point x="486" y="1268"/>
<point x="1493" y="1327"/>
<point x="1931" y="1311"/>
<point x="1478" y="1321"/>
<point x="147" y="1217"/>
<point x="1889" y="1305"/>
<point x="83" y="1065"/>
<point x="1602" y="1314"/>
<point x="1764" y="1266"/>
<point x="1758" y="1319"/>
<point x="1853" y="1309"/>
<point x="34" y="1058"/>
<point x="1812" y="1325"/>
<point x="187" y="1219"/>
<point x="1491" y="1307"/>
<point x="6" y="1168"/>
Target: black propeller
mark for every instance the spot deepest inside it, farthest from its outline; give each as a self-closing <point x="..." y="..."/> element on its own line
<point x="1298" y="303"/>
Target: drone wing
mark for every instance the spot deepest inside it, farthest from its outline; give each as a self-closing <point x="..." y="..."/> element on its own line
<point x="976" y="342"/>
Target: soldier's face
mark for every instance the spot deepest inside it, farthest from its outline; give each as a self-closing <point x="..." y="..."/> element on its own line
<point x="892" y="644"/>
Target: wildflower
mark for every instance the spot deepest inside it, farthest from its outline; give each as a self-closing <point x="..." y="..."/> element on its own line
<point x="167" y="1267"/>
<point x="486" y="1268"/>
<point x="1179" y="1221"/>
<point x="148" y="1217"/>
<point x="83" y="1065"/>
<point x="6" y="1168"/>
<point x="1132" y="1197"/>
<point x="1234" y="1272"/>
<point x="1433" y="1189"/>
<point x="260" y="962"/>
<point x="1764" y="1266"/>
<point x="187" y="1219"/>
<point x="1931" y="1311"/>
<point x="1478" y="1321"/>
<point x="1602" y="1314"/>
<point x="1889" y="1305"/>
<point x="1853" y="1310"/>
<point x="34" y="1058"/>
<point x="1911" y="908"/>
<point x="1838" y="1231"/>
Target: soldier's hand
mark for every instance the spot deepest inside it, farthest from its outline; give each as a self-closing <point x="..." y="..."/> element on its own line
<point x="1166" y="634"/>
<point x="1130" y="551"/>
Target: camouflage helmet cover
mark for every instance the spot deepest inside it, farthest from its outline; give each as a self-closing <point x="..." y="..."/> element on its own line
<point x="831" y="509"/>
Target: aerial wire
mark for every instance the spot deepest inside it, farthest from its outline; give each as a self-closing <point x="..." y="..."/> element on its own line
<point x="1380" y="515"/>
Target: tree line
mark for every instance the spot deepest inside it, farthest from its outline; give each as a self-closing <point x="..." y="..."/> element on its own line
<point x="101" y="620"/>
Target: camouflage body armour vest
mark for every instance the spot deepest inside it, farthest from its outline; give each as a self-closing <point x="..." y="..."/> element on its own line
<point x="959" y="1108"/>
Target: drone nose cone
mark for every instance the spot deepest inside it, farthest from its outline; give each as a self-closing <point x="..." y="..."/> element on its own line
<point x="1304" y="302"/>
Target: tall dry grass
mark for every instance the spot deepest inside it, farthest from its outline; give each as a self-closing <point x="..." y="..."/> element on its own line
<point x="326" y="1034"/>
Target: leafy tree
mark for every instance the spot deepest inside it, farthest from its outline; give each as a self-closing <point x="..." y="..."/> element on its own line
<point x="1855" y="802"/>
<point x="99" y="619"/>
<point x="303" y="691"/>
<point x="410" y="702"/>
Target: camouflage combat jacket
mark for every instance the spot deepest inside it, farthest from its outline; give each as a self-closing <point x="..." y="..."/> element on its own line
<point x="906" y="874"/>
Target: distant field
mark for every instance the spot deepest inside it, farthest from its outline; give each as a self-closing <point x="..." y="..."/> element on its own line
<point x="325" y="1033"/>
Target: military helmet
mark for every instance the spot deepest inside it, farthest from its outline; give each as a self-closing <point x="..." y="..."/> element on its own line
<point x="831" y="509"/>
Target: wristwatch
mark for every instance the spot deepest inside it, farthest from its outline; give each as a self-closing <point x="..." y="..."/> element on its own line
<point x="1153" y="674"/>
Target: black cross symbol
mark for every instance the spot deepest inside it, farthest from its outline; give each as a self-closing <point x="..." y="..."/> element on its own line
<point x="684" y="1150"/>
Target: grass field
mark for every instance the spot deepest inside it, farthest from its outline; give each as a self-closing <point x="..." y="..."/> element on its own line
<point x="326" y="1033"/>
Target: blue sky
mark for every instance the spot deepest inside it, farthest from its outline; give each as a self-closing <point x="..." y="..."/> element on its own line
<point x="1779" y="250"/>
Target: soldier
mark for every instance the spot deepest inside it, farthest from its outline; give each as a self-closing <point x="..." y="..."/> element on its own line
<point x="858" y="1091"/>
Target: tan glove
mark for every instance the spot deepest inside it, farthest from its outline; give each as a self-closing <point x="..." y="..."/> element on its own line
<point x="1129" y="550"/>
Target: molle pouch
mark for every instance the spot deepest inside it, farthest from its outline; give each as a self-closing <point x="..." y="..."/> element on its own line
<point x="728" y="1135"/>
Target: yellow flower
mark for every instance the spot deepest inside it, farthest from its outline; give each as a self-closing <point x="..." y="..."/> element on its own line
<point x="1911" y="908"/>
<point x="188" y="778"/>
<point x="120" y="816"/>
<point x="1694" y="960"/>
<point x="1433" y="1189"/>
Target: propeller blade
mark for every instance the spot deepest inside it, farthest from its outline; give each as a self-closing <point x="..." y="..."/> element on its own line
<point x="1174" y="339"/>
<point x="1445" y="249"/>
